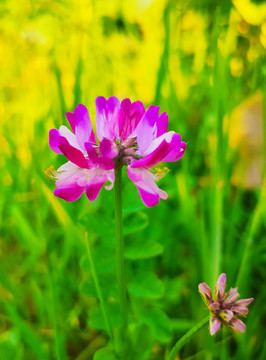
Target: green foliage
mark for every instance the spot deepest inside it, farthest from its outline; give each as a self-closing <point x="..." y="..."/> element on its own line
<point x="105" y="354"/>
<point x="146" y="284"/>
<point x="143" y="250"/>
<point x="96" y="320"/>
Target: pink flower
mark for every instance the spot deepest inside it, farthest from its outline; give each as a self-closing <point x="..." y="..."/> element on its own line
<point x="128" y="135"/>
<point x="223" y="306"/>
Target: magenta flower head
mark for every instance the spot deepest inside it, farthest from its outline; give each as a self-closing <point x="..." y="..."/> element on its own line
<point x="128" y="135"/>
<point x="223" y="306"/>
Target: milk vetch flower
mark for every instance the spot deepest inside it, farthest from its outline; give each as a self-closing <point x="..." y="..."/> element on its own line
<point x="224" y="307"/>
<point x="127" y="135"/>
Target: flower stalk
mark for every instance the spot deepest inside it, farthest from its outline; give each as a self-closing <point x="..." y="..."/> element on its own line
<point x="98" y="287"/>
<point x="121" y="278"/>
<point x="185" y="338"/>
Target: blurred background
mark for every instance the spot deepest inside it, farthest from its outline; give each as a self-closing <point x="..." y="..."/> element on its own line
<point x="204" y="65"/>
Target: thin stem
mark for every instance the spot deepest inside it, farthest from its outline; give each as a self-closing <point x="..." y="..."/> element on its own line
<point x="184" y="339"/>
<point x="218" y="175"/>
<point x="120" y="246"/>
<point x="98" y="287"/>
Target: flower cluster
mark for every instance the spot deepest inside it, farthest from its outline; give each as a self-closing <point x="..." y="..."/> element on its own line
<point x="128" y="135"/>
<point x="223" y="306"/>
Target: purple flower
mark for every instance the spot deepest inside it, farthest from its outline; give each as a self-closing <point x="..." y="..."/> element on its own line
<point x="223" y="306"/>
<point x="128" y="135"/>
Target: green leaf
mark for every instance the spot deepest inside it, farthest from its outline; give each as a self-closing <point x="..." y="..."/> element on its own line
<point x="104" y="260"/>
<point x="144" y="342"/>
<point x="105" y="354"/>
<point x="96" y="320"/>
<point x="103" y="226"/>
<point x="159" y="324"/>
<point x="137" y="250"/>
<point x="146" y="284"/>
<point x="107" y="283"/>
<point x="135" y="222"/>
<point x="123" y="345"/>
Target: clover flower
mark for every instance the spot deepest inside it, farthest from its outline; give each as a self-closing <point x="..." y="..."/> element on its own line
<point x="223" y="306"/>
<point x="128" y="135"/>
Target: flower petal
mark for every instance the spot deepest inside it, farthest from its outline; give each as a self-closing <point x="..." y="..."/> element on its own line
<point x="231" y="297"/>
<point x="92" y="154"/>
<point x="166" y="146"/>
<point x="240" y="310"/>
<point x="108" y="148"/>
<point x="106" y="164"/>
<point x="106" y="117"/>
<point x="69" y="193"/>
<point x="83" y="127"/>
<point x="237" y="325"/>
<point x="239" y="307"/>
<point x="93" y="189"/>
<point x="162" y="124"/>
<point x="54" y="135"/>
<point x="111" y="178"/>
<point x="72" y="154"/>
<point x="244" y="302"/>
<point x="205" y="292"/>
<point x="130" y="115"/>
<point x="215" y="325"/>
<point x="214" y="306"/>
<point x="144" y="180"/>
<point x="71" y="138"/>
<point x="176" y="154"/>
<point x="145" y="130"/>
<point x="71" y="120"/>
<point x="220" y="287"/>
<point x="226" y="315"/>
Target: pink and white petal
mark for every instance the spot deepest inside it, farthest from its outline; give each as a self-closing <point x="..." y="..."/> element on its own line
<point x="215" y="325"/>
<point x="83" y="128"/>
<point x="157" y="142"/>
<point x="244" y="302"/>
<point x="176" y="154"/>
<point x="220" y="287"/>
<point x="237" y="325"/>
<point x="149" y="199"/>
<point x="93" y="189"/>
<point x="107" y="117"/>
<point x="214" y="306"/>
<point x="71" y="138"/>
<point x="106" y="164"/>
<point x="226" y="315"/>
<point x="69" y="179"/>
<point x="71" y="120"/>
<point x="111" y="179"/>
<point x="162" y="124"/>
<point x="240" y="310"/>
<point x="72" y="154"/>
<point x="69" y="193"/>
<point x="158" y="154"/>
<point x="92" y="154"/>
<point x="66" y="171"/>
<point x="163" y="195"/>
<point x="54" y="136"/>
<point x="145" y="130"/>
<point x="108" y="148"/>
<point x="129" y="117"/>
<point x="148" y="190"/>
<point x="231" y="297"/>
<point x="205" y="292"/>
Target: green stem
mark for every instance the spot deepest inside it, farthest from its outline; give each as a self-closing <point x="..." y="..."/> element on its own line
<point x="184" y="339"/>
<point x="98" y="287"/>
<point x="121" y="278"/>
